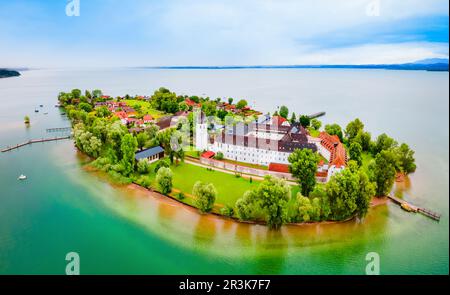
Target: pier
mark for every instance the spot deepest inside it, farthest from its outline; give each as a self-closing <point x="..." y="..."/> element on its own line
<point x="31" y="141"/>
<point x="414" y="208"/>
<point x="316" y="115"/>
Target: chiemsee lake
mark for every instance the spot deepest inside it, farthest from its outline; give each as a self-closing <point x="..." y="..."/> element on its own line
<point x="61" y="207"/>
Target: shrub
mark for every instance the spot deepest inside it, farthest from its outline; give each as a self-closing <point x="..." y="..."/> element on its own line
<point x="219" y="156"/>
<point x="160" y="164"/>
<point x="181" y="196"/>
<point x="227" y="211"/>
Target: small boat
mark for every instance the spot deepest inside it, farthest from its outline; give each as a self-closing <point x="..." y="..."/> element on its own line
<point x="45" y="113"/>
<point x="406" y="207"/>
<point x="36" y="111"/>
<point x="41" y="105"/>
<point x="22" y="177"/>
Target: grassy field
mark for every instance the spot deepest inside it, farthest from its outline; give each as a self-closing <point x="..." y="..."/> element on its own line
<point x="229" y="187"/>
<point x="145" y="108"/>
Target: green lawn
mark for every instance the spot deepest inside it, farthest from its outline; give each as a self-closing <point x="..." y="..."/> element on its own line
<point x="145" y="107"/>
<point x="229" y="187"/>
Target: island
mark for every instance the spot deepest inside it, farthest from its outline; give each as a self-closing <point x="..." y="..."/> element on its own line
<point x="223" y="157"/>
<point x="5" y="73"/>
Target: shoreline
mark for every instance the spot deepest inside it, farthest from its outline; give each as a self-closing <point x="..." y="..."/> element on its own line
<point x="375" y="201"/>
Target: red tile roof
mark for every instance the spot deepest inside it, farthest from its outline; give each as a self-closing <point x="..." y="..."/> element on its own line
<point x="335" y="147"/>
<point x="278" y="119"/>
<point x="121" y="115"/>
<point x="147" y="118"/>
<point x="191" y="103"/>
<point x="208" y="154"/>
<point x="279" y="167"/>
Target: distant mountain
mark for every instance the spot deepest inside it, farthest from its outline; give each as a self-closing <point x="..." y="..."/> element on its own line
<point x="430" y="61"/>
<point x="422" y="66"/>
<point x="5" y="73"/>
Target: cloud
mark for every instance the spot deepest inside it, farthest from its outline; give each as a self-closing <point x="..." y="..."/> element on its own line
<point x="136" y="33"/>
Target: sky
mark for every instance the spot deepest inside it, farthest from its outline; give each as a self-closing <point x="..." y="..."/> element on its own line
<point x="111" y="33"/>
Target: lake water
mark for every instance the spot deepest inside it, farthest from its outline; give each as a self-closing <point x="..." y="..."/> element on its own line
<point x="63" y="208"/>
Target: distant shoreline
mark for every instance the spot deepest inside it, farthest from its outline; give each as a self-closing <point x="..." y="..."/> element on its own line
<point x="440" y="67"/>
<point x="5" y="73"/>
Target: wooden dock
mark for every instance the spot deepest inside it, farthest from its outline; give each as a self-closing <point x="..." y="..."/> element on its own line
<point x="317" y="115"/>
<point x="414" y="208"/>
<point x="31" y="141"/>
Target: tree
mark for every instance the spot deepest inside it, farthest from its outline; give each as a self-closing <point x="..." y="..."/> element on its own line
<point x="183" y="106"/>
<point x="349" y="193"/>
<point x="305" y="208"/>
<point x="219" y="156"/>
<point x="320" y="194"/>
<point x="293" y="118"/>
<point x="115" y="133"/>
<point x="142" y="139"/>
<point x="160" y="164"/>
<point x="143" y="166"/>
<point x="205" y="196"/>
<point x="355" y="152"/>
<point x="305" y="121"/>
<point x="76" y="93"/>
<point x="230" y="100"/>
<point x="164" y="180"/>
<point x="284" y="112"/>
<point x="128" y="147"/>
<point x="103" y="112"/>
<point x="241" y="104"/>
<point x="303" y="167"/>
<point x="334" y="129"/>
<point x="97" y="93"/>
<point x="85" y="107"/>
<point x="353" y="128"/>
<point x="383" y="143"/>
<point x="364" y="139"/>
<point x="405" y="159"/>
<point x="383" y="172"/>
<point x="246" y="207"/>
<point x="316" y="124"/>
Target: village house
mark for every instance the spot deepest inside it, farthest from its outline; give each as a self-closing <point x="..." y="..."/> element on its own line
<point x="151" y="154"/>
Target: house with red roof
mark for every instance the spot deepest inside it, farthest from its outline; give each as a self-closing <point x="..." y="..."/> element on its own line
<point x="147" y="119"/>
<point x="331" y="148"/>
<point x="191" y="103"/>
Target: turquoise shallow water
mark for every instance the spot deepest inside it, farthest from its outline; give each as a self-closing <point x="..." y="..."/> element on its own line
<point x="62" y="208"/>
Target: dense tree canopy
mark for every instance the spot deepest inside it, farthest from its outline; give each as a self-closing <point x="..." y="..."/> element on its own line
<point x="303" y="166"/>
<point x="349" y="193"/>
<point x="334" y="129"/>
<point x="383" y="143"/>
<point x="382" y="172"/>
<point x="355" y="152"/>
<point x="284" y="112"/>
<point x="271" y="198"/>
<point x="353" y="128"/>
<point x="405" y="159"/>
